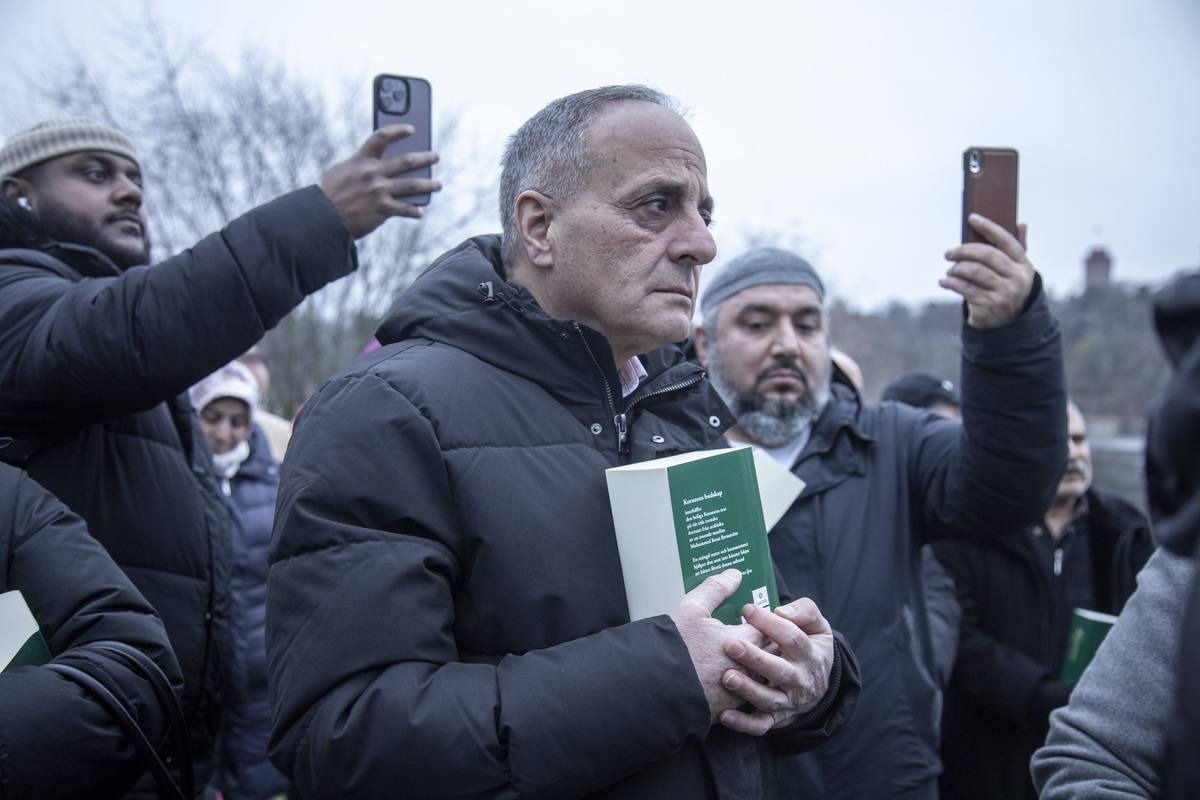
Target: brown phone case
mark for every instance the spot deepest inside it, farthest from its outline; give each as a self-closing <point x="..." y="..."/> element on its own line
<point x="989" y="188"/>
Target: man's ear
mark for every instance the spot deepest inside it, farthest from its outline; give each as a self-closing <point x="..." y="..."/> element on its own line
<point x="700" y="340"/>
<point x="15" y="187"/>
<point x="534" y="212"/>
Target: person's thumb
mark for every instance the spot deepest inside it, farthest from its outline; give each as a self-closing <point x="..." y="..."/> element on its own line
<point x="713" y="591"/>
<point x="378" y="141"/>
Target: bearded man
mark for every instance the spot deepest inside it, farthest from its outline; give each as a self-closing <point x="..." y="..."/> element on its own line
<point x="883" y="480"/>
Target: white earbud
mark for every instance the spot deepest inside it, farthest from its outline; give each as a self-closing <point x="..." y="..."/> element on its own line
<point x="23" y="202"/>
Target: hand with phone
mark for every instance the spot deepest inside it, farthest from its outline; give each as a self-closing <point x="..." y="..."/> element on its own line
<point x="367" y="189"/>
<point x="991" y="270"/>
<point x="995" y="279"/>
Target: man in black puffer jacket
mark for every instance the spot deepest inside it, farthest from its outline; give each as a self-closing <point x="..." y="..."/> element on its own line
<point x="57" y="741"/>
<point x="446" y="615"/>
<point x="97" y="352"/>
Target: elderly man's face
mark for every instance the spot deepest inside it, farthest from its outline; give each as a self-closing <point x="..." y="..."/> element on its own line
<point x="770" y="359"/>
<point x="93" y="198"/>
<point x="1078" y="476"/>
<point x="628" y="247"/>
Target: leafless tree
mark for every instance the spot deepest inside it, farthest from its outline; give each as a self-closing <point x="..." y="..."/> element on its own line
<point x="218" y="139"/>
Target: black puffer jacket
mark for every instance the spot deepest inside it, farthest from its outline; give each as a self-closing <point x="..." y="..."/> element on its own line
<point x="445" y="611"/>
<point x="1016" y="618"/>
<point x="55" y="740"/>
<point x="93" y="364"/>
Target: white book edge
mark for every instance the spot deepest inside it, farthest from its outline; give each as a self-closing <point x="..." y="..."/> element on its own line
<point x="17" y="625"/>
<point x="646" y="506"/>
<point x="1095" y="616"/>
<point x="777" y="487"/>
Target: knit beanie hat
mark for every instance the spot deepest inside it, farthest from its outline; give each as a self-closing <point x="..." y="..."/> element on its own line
<point x="60" y="137"/>
<point x="762" y="265"/>
<point x="232" y="380"/>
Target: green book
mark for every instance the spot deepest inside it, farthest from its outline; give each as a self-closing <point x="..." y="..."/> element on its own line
<point x="21" y="642"/>
<point x="1088" y="629"/>
<point x="680" y="519"/>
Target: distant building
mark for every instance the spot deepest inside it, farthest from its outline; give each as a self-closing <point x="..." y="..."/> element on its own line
<point x="1097" y="270"/>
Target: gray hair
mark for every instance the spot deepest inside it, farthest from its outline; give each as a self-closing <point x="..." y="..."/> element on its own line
<point x="547" y="154"/>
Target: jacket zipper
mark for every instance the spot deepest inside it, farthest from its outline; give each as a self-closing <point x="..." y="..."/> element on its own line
<point x="620" y="421"/>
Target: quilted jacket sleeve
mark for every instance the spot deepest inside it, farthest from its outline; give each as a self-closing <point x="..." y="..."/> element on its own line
<point x="81" y="351"/>
<point x="998" y="470"/>
<point x="55" y="740"/>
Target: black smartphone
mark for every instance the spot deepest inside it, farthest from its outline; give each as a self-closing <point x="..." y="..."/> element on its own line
<point x="403" y="99"/>
<point x="989" y="188"/>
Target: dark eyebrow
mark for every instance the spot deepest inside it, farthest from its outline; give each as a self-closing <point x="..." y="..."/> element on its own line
<point x="764" y="308"/>
<point x="109" y="163"/>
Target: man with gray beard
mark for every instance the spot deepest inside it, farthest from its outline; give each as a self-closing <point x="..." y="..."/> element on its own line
<point x="881" y="481"/>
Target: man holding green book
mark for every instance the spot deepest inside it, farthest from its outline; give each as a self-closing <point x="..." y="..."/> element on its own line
<point x="446" y="615"/>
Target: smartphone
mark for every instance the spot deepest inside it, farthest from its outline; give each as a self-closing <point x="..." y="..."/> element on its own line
<point x="989" y="188"/>
<point x="402" y="99"/>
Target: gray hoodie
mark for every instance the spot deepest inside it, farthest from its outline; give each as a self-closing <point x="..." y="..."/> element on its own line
<point x="1110" y="740"/>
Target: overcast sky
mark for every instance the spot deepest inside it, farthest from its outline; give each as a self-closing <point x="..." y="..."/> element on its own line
<point x="837" y="126"/>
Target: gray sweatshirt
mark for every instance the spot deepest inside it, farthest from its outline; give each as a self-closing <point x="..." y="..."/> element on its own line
<point x="1110" y="740"/>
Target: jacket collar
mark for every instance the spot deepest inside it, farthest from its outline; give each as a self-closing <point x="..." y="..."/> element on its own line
<point x="837" y="448"/>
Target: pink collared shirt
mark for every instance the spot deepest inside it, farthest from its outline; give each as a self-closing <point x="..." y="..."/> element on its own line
<point x="631" y="374"/>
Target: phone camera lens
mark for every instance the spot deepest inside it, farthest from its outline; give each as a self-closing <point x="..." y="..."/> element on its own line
<point x="393" y="95"/>
<point x="974" y="162"/>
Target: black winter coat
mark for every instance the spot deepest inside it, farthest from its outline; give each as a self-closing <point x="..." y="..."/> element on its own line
<point x="445" y="614"/>
<point x="881" y="481"/>
<point x="94" y="363"/>
<point x="1016" y="618"/>
<point x="1173" y="486"/>
<point x="55" y="740"/>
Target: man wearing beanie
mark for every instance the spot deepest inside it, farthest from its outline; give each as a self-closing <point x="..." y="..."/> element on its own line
<point x="98" y="350"/>
<point x="883" y="480"/>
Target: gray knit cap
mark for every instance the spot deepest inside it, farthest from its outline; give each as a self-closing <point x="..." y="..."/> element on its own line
<point x="757" y="267"/>
<point x="60" y="137"/>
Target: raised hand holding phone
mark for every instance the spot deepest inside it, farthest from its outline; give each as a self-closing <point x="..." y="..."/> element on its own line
<point x="390" y="175"/>
<point x="991" y="270"/>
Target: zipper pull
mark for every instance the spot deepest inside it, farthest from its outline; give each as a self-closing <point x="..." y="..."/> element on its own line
<point x="1058" y="561"/>
<point x="487" y="292"/>
<point x="622" y="424"/>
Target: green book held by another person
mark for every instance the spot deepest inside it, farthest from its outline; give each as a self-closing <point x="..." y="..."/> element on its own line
<point x="1088" y="629"/>
<point x="21" y="642"/>
<point x="681" y="519"/>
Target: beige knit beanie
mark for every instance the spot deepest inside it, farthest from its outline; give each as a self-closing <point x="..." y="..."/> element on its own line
<point x="59" y="137"/>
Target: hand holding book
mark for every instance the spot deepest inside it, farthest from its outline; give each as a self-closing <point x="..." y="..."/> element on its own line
<point x="796" y="666"/>
<point x="790" y="648"/>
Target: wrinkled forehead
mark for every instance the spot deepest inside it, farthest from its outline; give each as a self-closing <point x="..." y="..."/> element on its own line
<point x="630" y="137"/>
